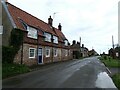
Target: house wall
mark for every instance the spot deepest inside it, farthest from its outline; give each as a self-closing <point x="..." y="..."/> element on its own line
<point x="47" y="59"/>
<point x="26" y="59"/>
<point x="24" y="55"/>
<point x="58" y="57"/>
<point x="7" y="27"/>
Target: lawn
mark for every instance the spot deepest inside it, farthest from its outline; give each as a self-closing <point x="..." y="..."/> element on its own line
<point x="116" y="80"/>
<point x="13" y="69"/>
<point x="109" y="62"/>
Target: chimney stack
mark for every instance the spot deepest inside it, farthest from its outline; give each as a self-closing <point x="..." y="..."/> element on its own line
<point x="82" y="45"/>
<point x="78" y="43"/>
<point x="60" y="27"/>
<point x="74" y="42"/>
<point x="50" y="21"/>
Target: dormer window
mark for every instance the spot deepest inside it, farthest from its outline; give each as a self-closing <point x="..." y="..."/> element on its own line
<point x="65" y="42"/>
<point x="23" y="23"/>
<point x="48" y="37"/>
<point x="55" y="39"/>
<point x="32" y="32"/>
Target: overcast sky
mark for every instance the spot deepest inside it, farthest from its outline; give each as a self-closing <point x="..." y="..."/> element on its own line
<point x="95" y="21"/>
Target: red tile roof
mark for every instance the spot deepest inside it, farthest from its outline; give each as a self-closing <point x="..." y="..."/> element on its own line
<point x="60" y="35"/>
<point x="29" y="19"/>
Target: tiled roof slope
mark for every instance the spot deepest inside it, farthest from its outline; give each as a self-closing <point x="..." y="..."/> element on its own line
<point x="60" y="35"/>
<point x="18" y="14"/>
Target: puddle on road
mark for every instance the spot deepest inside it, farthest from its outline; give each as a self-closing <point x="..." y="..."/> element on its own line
<point x="104" y="81"/>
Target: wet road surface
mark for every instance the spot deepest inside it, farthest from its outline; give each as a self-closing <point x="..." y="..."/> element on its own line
<point x="85" y="73"/>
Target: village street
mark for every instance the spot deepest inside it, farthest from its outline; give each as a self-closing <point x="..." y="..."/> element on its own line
<point x="85" y="73"/>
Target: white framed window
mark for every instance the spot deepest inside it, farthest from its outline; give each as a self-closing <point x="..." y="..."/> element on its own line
<point x="55" y="39"/>
<point x="55" y="52"/>
<point x="48" y="37"/>
<point x="32" y="52"/>
<point x="32" y="32"/>
<point x="47" y="51"/>
<point x="66" y="43"/>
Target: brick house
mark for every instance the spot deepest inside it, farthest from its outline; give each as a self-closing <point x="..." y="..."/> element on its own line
<point x="84" y="51"/>
<point x="76" y="49"/>
<point x="92" y="53"/>
<point x="42" y="42"/>
<point x="114" y="53"/>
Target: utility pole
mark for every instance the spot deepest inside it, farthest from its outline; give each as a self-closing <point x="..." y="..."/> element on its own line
<point x="80" y="47"/>
<point x="80" y="41"/>
<point x="113" y="55"/>
<point x="54" y="14"/>
<point x="112" y="42"/>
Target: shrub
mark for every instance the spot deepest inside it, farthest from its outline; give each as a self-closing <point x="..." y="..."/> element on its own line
<point x="7" y="54"/>
<point x="10" y="51"/>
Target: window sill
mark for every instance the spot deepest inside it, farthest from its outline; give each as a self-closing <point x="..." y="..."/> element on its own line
<point x="47" y="56"/>
<point x="31" y="57"/>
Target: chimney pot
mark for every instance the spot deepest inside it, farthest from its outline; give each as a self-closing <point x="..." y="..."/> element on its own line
<point x="82" y="45"/>
<point x="74" y="42"/>
<point x="60" y="27"/>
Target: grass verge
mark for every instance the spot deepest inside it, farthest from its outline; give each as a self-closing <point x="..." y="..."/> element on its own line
<point x="109" y="62"/>
<point x="116" y="80"/>
<point x="13" y="69"/>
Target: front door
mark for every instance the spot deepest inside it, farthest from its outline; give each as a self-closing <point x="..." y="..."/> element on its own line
<point x="40" y="56"/>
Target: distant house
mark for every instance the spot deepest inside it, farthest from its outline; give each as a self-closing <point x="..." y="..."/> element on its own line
<point x="84" y="51"/>
<point x="76" y="49"/>
<point x="42" y="42"/>
<point x="92" y="53"/>
<point x="112" y="52"/>
<point x="115" y="53"/>
<point x="79" y="51"/>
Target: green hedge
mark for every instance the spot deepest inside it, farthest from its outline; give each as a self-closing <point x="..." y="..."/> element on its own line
<point x="16" y="38"/>
<point x="9" y="52"/>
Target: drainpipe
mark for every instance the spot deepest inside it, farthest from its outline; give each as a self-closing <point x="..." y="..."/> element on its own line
<point x="37" y="47"/>
<point x="52" y="48"/>
<point x="22" y="54"/>
<point x="22" y="50"/>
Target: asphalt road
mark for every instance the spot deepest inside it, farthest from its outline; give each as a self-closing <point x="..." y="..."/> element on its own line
<point x="85" y="73"/>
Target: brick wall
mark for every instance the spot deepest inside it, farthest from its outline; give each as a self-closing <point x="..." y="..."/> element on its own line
<point x="25" y="59"/>
<point x="62" y="55"/>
